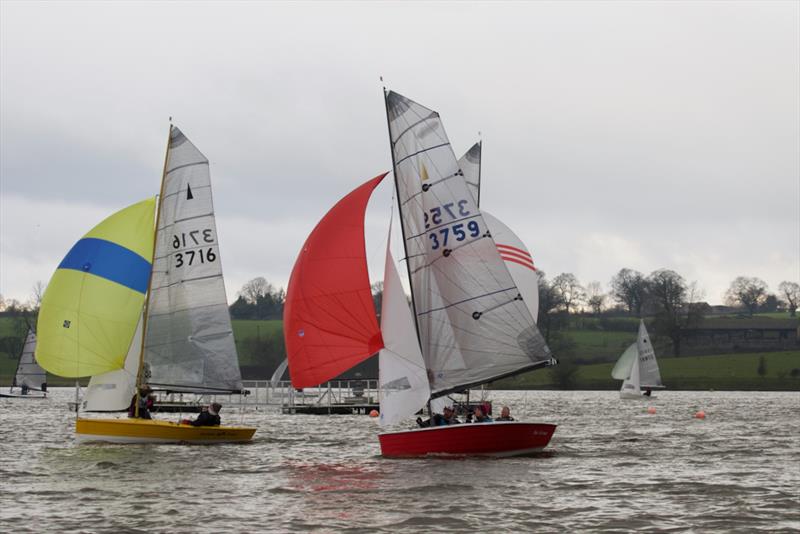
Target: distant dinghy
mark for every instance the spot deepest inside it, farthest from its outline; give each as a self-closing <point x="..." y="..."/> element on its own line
<point x="136" y="304"/>
<point x="30" y="380"/>
<point x="638" y="369"/>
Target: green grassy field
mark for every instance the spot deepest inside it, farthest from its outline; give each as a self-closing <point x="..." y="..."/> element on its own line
<point x="722" y="371"/>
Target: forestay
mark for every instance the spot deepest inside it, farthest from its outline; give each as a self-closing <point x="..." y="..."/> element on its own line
<point x="29" y="373"/>
<point x="403" y="378"/>
<point x="189" y="343"/>
<point x="473" y="325"/>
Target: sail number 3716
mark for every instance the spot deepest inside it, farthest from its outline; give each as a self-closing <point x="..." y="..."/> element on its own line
<point x="195" y="239"/>
<point x="452" y="211"/>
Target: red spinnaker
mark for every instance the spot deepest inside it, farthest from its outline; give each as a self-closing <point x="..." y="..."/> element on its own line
<point x="329" y="320"/>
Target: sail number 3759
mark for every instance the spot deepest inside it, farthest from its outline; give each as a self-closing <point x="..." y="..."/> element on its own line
<point x="453" y="211"/>
<point x="195" y="239"/>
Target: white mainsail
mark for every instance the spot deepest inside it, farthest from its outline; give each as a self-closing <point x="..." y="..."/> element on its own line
<point x="649" y="375"/>
<point x="29" y="373"/>
<point x="189" y="343"/>
<point x="112" y="391"/>
<point x="403" y="378"/>
<point x="470" y="165"/>
<point x="473" y="324"/>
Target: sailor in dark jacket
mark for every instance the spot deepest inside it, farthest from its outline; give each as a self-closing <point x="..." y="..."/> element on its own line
<point x="505" y="415"/>
<point x="209" y="417"/>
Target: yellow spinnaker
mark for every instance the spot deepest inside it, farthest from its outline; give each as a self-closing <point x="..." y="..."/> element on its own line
<point x="91" y="306"/>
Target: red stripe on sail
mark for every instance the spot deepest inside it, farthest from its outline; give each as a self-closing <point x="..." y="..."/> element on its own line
<point x="524" y="264"/>
<point x="514" y="249"/>
<point x="329" y="317"/>
<point x="523" y="257"/>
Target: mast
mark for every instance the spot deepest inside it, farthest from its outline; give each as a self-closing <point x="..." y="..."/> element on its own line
<point x="150" y="279"/>
<point x="480" y="168"/>
<point x="400" y="214"/>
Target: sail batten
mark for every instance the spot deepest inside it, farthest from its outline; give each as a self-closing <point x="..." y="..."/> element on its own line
<point x="465" y="298"/>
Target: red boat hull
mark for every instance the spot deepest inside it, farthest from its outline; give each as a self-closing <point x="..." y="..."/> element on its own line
<point x="476" y="439"/>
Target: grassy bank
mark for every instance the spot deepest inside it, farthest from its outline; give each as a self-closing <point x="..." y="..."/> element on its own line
<point x="721" y="372"/>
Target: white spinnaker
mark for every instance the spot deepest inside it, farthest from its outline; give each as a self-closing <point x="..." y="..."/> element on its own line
<point x="622" y="369"/>
<point x="470" y="165"/>
<point x="403" y="378"/>
<point x="112" y="391"/>
<point x="189" y="343"/>
<point x="518" y="260"/>
<point x="29" y="373"/>
<point x="278" y="374"/>
<point x="473" y="325"/>
<point x="649" y="375"/>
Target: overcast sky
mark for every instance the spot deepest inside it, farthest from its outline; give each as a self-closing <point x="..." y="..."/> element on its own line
<point x="643" y="135"/>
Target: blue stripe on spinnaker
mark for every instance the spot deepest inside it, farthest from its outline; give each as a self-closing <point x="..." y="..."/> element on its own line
<point x="110" y="261"/>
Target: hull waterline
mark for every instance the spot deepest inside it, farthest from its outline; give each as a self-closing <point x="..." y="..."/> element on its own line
<point x="477" y="439"/>
<point x="154" y="431"/>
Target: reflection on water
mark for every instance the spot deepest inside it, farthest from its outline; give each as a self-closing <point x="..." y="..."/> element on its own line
<point x="610" y="466"/>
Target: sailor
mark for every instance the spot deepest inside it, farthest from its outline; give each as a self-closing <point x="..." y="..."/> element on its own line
<point x="208" y="417"/>
<point x="479" y="417"/>
<point x="505" y="414"/>
<point x="146" y="401"/>
<point x="24" y="389"/>
<point x="449" y="417"/>
<point x="647" y="392"/>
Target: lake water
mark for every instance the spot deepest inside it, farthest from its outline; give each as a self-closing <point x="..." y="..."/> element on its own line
<point x="611" y="466"/>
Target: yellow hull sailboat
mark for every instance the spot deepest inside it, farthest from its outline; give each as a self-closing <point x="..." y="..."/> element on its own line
<point x="133" y="305"/>
<point x="154" y="431"/>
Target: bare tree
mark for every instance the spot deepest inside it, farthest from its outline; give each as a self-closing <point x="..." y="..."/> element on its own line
<point x="790" y="292"/>
<point x="595" y="297"/>
<point x="676" y="305"/>
<point x="255" y="289"/>
<point x="749" y="292"/>
<point x="549" y="302"/>
<point x="569" y="289"/>
<point x="37" y="292"/>
<point x="629" y="288"/>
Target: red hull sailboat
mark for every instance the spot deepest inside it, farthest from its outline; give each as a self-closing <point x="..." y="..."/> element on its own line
<point x="468" y="324"/>
<point x="485" y="439"/>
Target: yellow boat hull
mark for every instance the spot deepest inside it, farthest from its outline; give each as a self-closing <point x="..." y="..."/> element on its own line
<point x="155" y="431"/>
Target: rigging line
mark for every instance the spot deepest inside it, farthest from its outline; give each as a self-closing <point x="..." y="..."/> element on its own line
<point x="430" y="185"/>
<point x="465" y="300"/>
<point x="444" y="141"/>
<point x="443" y="256"/>
<point x="187" y="165"/>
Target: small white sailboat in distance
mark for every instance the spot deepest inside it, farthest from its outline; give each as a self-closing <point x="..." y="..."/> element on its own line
<point x="30" y="379"/>
<point x="638" y="369"/>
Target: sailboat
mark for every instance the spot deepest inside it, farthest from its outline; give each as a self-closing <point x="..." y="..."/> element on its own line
<point x="132" y="304"/>
<point x="29" y="376"/>
<point x="638" y="369"/>
<point x="468" y="324"/>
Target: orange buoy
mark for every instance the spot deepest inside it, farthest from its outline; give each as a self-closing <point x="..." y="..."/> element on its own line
<point x="651" y="410"/>
<point x="374" y="413"/>
<point x="700" y="414"/>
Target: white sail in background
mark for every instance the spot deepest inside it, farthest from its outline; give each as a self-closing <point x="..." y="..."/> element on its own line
<point x="29" y="373"/>
<point x="473" y="324"/>
<point x="403" y="379"/>
<point x="518" y="260"/>
<point x="112" y="391"/>
<point x="278" y="374"/>
<point x="622" y="369"/>
<point x="630" y="387"/>
<point x="649" y="375"/>
<point x="470" y="165"/>
<point x="189" y="343"/>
